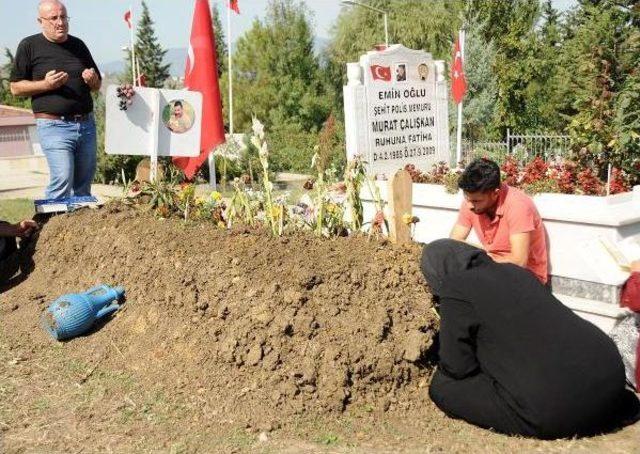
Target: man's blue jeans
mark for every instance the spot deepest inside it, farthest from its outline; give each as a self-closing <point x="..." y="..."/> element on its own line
<point x="70" y="149"/>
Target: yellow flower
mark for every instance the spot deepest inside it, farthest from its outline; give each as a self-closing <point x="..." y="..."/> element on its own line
<point x="275" y="212"/>
<point x="221" y="224"/>
<point x="408" y="219"/>
<point x="215" y="196"/>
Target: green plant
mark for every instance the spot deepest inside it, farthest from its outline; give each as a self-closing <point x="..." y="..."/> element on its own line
<point x="240" y="206"/>
<point x="258" y="140"/>
<point x="186" y="199"/>
<point x="450" y="181"/>
<point x="162" y="194"/>
<point x="378" y="220"/>
<point x="541" y="185"/>
<point x="355" y="175"/>
<point x="328" y="439"/>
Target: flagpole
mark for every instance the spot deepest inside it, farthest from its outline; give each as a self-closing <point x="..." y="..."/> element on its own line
<point x="138" y="80"/>
<point x="133" y="50"/>
<point x="230" y="71"/>
<point x="459" y="125"/>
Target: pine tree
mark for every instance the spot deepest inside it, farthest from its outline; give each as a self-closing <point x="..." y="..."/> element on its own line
<point x="277" y="73"/>
<point x="480" y="101"/>
<point x="591" y="67"/>
<point x="149" y="53"/>
<point x="221" y="45"/>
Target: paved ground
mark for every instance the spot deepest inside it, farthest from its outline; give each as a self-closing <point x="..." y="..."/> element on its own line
<point x="28" y="180"/>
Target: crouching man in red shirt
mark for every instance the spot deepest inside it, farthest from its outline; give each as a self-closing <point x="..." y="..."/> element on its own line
<point x="504" y="218"/>
<point x="631" y="298"/>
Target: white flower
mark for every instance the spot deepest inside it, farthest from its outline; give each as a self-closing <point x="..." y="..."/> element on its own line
<point x="258" y="128"/>
<point x="256" y="142"/>
<point x="264" y="150"/>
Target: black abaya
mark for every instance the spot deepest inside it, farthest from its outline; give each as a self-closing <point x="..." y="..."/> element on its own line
<point x="515" y="359"/>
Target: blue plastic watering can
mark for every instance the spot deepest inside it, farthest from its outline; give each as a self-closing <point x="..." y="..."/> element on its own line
<point x="74" y="314"/>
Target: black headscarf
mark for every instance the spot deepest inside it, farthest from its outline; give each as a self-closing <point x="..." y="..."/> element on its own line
<point x="442" y="258"/>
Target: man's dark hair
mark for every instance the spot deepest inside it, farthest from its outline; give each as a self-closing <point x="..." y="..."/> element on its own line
<point x="177" y="103"/>
<point x="480" y="176"/>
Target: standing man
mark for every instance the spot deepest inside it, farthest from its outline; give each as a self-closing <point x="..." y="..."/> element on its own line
<point x="58" y="72"/>
<point x="505" y="219"/>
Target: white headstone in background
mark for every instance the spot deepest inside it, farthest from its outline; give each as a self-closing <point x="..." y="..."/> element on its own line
<point x="396" y="110"/>
<point x="160" y="122"/>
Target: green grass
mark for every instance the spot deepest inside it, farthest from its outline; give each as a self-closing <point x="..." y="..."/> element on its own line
<point x="14" y="210"/>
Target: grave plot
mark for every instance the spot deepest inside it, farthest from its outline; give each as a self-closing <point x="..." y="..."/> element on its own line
<point x="229" y="341"/>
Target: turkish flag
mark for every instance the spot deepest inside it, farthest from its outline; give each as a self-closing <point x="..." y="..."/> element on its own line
<point x="127" y="18"/>
<point x="201" y="75"/>
<point x="381" y="72"/>
<point x="233" y="4"/>
<point x="458" y="81"/>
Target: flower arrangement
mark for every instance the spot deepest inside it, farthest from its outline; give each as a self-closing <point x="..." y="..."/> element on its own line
<point x="536" y="176"/>
<point x="125" y="93"/>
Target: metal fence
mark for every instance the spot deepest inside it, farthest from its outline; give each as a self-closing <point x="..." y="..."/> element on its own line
<point x="524" y="147"/>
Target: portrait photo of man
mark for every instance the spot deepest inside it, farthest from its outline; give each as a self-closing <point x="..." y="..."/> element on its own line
<point x="423" y="71"/>
<point x="178" y="116"/>
<point x="401" y="72"/>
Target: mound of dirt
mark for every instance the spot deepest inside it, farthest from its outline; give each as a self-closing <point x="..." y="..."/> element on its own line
<point x="257" y="327"/>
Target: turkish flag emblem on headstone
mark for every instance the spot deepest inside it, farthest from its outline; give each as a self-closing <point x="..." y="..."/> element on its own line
<point x="381" y="72"/>
<point x="458" y="80"/>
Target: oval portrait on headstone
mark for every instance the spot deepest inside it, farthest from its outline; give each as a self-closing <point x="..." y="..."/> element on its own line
<point x="423" y="71"/>
<point x="178" y="116"/>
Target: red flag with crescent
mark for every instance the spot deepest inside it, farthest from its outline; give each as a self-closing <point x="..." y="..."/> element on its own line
<point x="381" y="72"/>
<point x="201" y="75"/>
<point x="233" y="4"/>
<point x="458" y="80"/>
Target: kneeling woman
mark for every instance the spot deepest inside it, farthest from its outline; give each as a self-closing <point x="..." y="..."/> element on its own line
<point x="515" y="359"/>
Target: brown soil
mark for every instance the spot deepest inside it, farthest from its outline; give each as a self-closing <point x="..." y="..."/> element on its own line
<point x="229" y="341"/>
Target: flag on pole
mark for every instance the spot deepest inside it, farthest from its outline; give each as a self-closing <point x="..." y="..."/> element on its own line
<point x="201" y="75"/>
<point x="458" y="80"/>
<point x="127" y="18"/>
<point x="233" y="4"/>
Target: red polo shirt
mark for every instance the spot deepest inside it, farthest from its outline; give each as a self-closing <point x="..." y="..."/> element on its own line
<point x="516" y="213"/>
<point x="631" y="299"/>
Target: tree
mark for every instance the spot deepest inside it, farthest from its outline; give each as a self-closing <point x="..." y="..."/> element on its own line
<point x="277" y="73"/>
<point x="149" y="52"/>
<point x="6" y="97"/>
<point x="591" y="67"/>
<point x="510" y="26"/>
<point x="480" y="101"/>
<point x="547" y="97"/>
<point x="415" y="24"/>
<point x="221" y="45"/>
<point x="626" y="143"/>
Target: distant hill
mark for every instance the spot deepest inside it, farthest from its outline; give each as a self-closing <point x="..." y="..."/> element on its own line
<point x="178" y="56"/>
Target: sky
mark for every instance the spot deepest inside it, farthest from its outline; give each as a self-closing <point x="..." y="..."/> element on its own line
<point x="100" y="23"/>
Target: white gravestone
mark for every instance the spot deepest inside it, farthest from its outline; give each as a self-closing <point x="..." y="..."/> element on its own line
<point x="157" y="123"/>
<point x="396" y="110"/>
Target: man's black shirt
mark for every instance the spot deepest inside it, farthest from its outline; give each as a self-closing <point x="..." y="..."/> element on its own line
<point x="36" y="56"/>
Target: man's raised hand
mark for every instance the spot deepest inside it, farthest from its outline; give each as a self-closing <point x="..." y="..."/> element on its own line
<point x="55" y="79"/>
<point x="90" y="77"/>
